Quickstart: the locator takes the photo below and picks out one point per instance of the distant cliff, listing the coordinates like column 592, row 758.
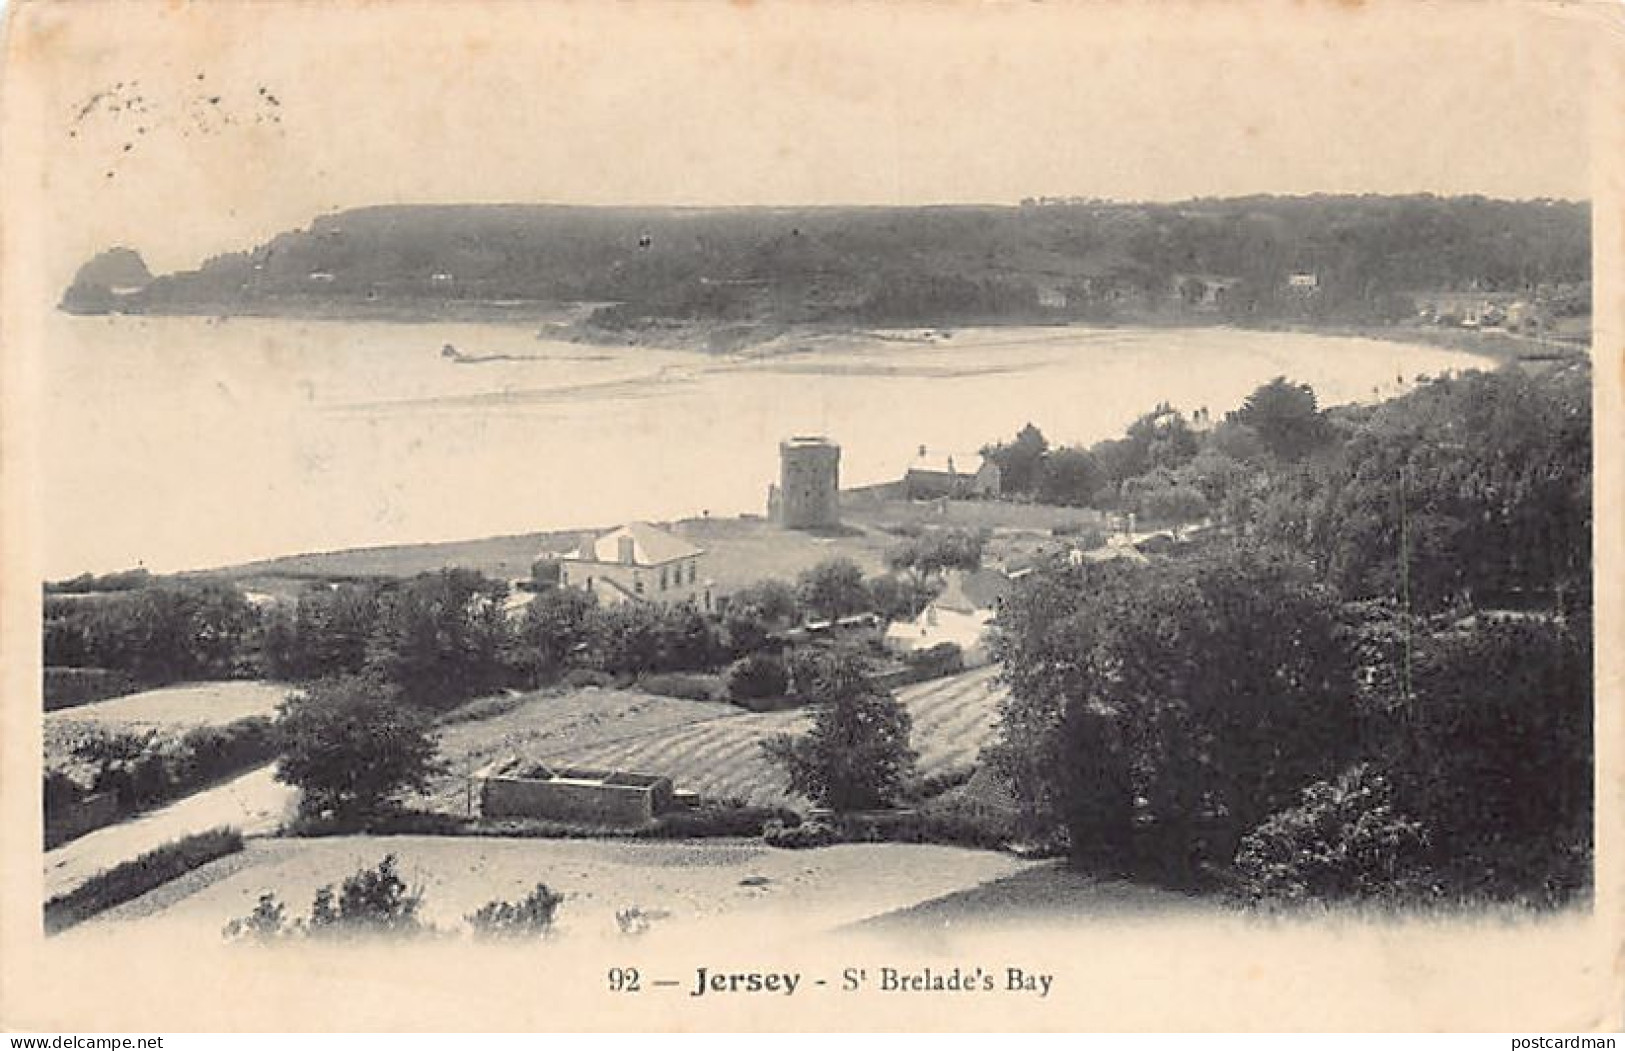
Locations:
column 1300, row 258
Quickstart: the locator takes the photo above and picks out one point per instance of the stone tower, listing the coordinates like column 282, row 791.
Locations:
column 809, row 491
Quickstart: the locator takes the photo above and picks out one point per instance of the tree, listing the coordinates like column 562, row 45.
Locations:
column 557, row 624
column 1493, row 752
column 1210, row 689
column 1019, row 461
column 901, row 596
column 939, row 550
column 332, row 627
column 1161, row 496
column 1286, row 418
column 771, row 601
column 441, row 637
column 856, row 756
column 638, row 637
column 833, row 588
column 350, row 746
column 1070, row 477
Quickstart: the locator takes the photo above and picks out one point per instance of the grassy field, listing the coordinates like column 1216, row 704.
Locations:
column 713, row 749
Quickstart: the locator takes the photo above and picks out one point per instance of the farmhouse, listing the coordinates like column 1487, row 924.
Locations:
column 960, row 615
column 638, row 563
column 932, row 476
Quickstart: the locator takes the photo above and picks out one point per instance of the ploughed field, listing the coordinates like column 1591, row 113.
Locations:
column 712, row 749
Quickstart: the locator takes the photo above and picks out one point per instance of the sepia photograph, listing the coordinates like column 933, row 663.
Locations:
column 786, row 516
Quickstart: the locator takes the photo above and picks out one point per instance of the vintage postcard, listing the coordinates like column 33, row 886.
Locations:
column 801, row 516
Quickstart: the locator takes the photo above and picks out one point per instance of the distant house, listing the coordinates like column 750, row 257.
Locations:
column 1303, row 282
column 1202, row 291
column 960, row 615
column 638, row 563
column 1116, row 548
column 932, row 476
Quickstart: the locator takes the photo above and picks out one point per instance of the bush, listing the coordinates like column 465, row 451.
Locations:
column 530, row 918
column 684, row 687
column 373, row 901
column 757, row 677
column 945, row 658
column 955, row 822
column 268, row 922
column 933, row 785
column 131, row 879
column 143, row 770
column 580, row 678
column 716, row 820
column 1346, row 839
column 71, row 687
column 805, row 836
column 400, row 822
column 483, row 708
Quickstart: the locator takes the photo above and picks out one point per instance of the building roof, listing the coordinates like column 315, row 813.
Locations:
column 933, row 462
column 650, row 546
column 971, row 592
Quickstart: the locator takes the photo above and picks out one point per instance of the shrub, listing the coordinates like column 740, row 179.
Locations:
column 373, row 901
column 933, row 785
column 579, row 678
column 805, row 836
column 131, row 879
column 531, row 917
column 684, row 687
column 268, row 922
column 945, row 658
column 145, row 769
column 757, row 677
column 71, row 687
column 634, row 920
column 718, row 820
column 483, row 708
column 1346, row 839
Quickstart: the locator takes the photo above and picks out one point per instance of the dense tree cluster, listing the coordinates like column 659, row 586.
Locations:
column 1377, row 679
column 163, row 632
column 1369, row 256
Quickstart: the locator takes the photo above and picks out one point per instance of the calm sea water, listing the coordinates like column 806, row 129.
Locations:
column 190, row 442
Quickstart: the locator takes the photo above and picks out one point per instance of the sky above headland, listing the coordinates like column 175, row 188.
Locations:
column 187, row 129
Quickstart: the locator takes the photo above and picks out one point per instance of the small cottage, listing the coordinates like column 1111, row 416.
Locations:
column 962, row 615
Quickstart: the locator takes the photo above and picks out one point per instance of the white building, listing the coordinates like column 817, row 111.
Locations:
column 961, row 615
column 638, row 563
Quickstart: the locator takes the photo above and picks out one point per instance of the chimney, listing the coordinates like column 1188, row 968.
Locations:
column 626, row 550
